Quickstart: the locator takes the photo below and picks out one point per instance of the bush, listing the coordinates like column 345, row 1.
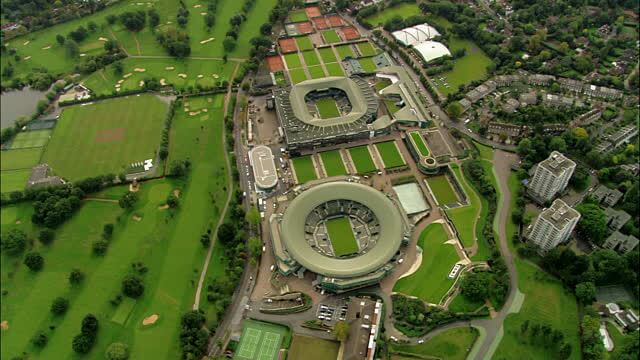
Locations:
column 128, row 200
column 59, row 306
column 89, row 325
column 117, row 351
column 100, row 247
column 34, row 261
column 46, row 236
column 82, row 343
column 132, row 286
column 14, row 242
column 40, row 339
column 76, row 277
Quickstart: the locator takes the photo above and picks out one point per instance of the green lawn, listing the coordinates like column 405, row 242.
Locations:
column 20, row 158
column 316, row 72
column 327, row 108
column 404, row 10
column 345, row 51
column 297, row 75
column 461, row 304
column 310, row 58
column 334, row 69
column 619, row 340
column 366, row 49
column 331, row 37
column 313, row 348
column 367, row 64
column 333, row 164
column 105, row 137
column 486, row 152
column 327, row 55
column 471, row 67
column 29, row 139
column 442, row 189
column 391, row 157
column 362, row 159
column 463, row 218
column 453, row 344
column 341, row 235
column 420, row 143
column 298, row 16
column 305, row 171
column 13, row 180
column 431, row 281
column 293, row 60
column 304, row 43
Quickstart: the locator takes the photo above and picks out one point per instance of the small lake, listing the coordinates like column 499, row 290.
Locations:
column 17, row 103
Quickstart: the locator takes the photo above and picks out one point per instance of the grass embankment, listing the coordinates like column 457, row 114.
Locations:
column 453, row 344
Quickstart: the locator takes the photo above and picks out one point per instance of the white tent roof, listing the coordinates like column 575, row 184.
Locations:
column 415, row 34
column 430, row 50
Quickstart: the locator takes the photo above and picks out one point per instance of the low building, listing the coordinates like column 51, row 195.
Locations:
column 41, row 177
column 511, row 105
column 559, row 101
column 540, row 79
column 616, row 218
column 571, row 85
column 587, row 118
column 264, row 167
column 363, row 316
column 553, row 226
column 623, row 135
column 526, row 99
column 506, row 80
column 481, row 91
column 606, row 196
column 632, row 168
column 620, row 242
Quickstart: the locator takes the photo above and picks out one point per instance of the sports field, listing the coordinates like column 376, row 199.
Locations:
column 29, row 139
column 316, row 72
column 327, row 55
column 310, row 58
column 431, row 282
column 313, row 348
column 465, row 217
column 420, row 144
column 331, row 37
column 471, row 67
column 297, row 75
column 453, row 344
column 304, row 169
column 293, row 60
column 341, row 235
column 404, row 10
column 362, row 159
column 334, row 69
column 391, row 157
column 298, row 16
column 332, row 162
column 367, row 64
column 327, row 108
column 345, row 51
column 366, row 49
column 442, row 190
column 260, row 341
column 13, row 180
column 105, row 137
column 20, row 158
column 304, row 43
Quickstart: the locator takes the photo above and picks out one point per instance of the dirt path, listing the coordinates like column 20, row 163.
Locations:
column 116, row 39
column 101, row 200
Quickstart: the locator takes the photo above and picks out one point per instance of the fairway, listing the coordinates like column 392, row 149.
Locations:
column 331, row 37
column 316, row 72
column 20, row 158
column 327, row 55
column 362, row 159
column 334, row 69
column 293, row 60
column 390, row 154
column 105, row 137
column 304, row 43
column 333, row 164
column 310, row 58
column 313, row 348
column 297, row 75
column 304, row 169
column 260, row 341
column 431, row 282
column 442, row 190
column 403, row 10
column 29, row 139
column 327, row 108
column 420, row 144
column 341, row 236
column 345, row 51
column 367, row 64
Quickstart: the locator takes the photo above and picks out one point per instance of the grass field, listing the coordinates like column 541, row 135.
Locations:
column 298, row 16
column 19, row 158
column 293, row 60
column 313, row 348
column 367, row 64
column 13, row 180
column 366, row 49
column 260, row 341
column 304, row 43
column 431, row 282
column 403, row 10
column 105, row 137
column 362, row 159
column 420, row 143
column 333, row 164
column 316, row 72
column 29, row 139
column 304, row 169
column 471, row 67
column 391, row 157
column 297, row 75
column 463, row 218
column 334, row 69
column 310, row 58
column 345, row 51
column 331, row 37
column 341, row 235
column 461, row 304
column 442, row 190
column 327, row 108
column 327, row 55
column 453, row 344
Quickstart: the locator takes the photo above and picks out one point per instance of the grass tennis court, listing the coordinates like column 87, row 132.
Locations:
column 310, row 58
column 442, row 190
column 327, row 55
column 313, row 348
column 367, row 64
column 334, row 69
column 297, row 75
column 316, row 72
column 105, row 137
column 27, row 139
column 366, row 49
column 304, row 43
column 19, row 158
column 331, row 37
column 390, row 155
column 327, row 108
column 345, row 51
column 260, row 341
column 341, row 235
column 293, row 60
column 420, row 144
column 333, row 164
column 14, row 180
column 298, row 16
column 304, row 169
column 362, row 159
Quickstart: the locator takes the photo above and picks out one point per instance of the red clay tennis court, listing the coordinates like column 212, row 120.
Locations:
column 287, row 45
column 305, row 27
column 313, row 11
column 335, row 20
column 350, row 33
column 275, row 63
column 320, row 23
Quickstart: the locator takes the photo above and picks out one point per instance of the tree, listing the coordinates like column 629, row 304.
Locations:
column 172, row 201
column 265, row 29
column 226, row 233
column 100, row 247
column 580, row 133
column 524, row 326
column 132, row 286
column 46, row 236
column 111, row 19
column 209, row 20
column 117, row 351
column 128, row 200
column 118, row 68
column 40, row 339
column 592, row 347
column 253, row 216
column 59, row 306
column 454, row 110
column 89, row 325
column 92, row 26
column 34, row 261
column 341, row 330
column 255, row 246
column 14, row 242
column 565, row 351
column 76, row 277
column 630, row 349
column 179, row 168
column 133, row 21
column 60, row 39
column 71, row 48
column 82, row 343
column 475, row 286
column 593, row 223
column 229, row 44
column 557, row 143
column 107, row 231
column 154, row 18
column 110, row 46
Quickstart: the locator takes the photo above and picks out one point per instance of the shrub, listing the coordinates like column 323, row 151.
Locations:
column 100, row 247
column 14, row 242
column 76, row 276
column 59, row 306
column 89, row 325
column 34, row 261
column 46, row 236
column 82, row 343
column 40, row 339
column 117, row 351
column 132, row 286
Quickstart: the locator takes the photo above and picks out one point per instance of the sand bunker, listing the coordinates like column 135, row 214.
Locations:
column 169, row 23
column 203, row 13
column 215, row 76
column 103, row 39
column 163, row 207
column 26, row 43
column 176, row 193
column 27, row 57
column 205, row 110
column 18, row 222
column 207, row 40
column 4, row 325
column 139, row 69
column 163, row 82
column 200, row 76
column 150, row 320
column 46, row 47
column 83, row 54
column 184, row 76
column 194, row 113
column 141, row 83
column 169, row 68
column 127, row 75
column 137, row 217
column 197, row 6
column 118, row 90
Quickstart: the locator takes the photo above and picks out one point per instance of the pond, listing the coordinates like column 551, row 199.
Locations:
column 17, row 103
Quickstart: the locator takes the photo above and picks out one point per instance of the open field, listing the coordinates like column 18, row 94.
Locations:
column 333, row 164
column 312, row 348
column 453, row 344
column 327, row 55
column 331, row 37
column 345, row 51
column 362, row 159
column 341, row 235
column 293, row 60
column 462, row 304
column 29, row 139
column 304, row 169
column 20, row 158
column 13, row 180
column 420, row 143
column 471, row 67
column 316, row 72
column 105, row 137
column 403, row 10
column 327, row 108
column 310, row 58
column 260, row 341
column 431, row 282
column 297, row 75
column 442, row 189
column 463, row 218
column 367, row 64
column 304, row 43
column 391, row 157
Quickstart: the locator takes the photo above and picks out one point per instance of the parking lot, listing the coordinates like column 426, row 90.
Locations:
column 330, row 313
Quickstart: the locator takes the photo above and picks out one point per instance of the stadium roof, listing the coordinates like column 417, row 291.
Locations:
column 293, row 229
column 264, row 169
column 430, row 50
column 416, row 34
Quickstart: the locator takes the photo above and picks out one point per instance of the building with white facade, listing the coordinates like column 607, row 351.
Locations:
column 551, row 176
column 553, row 226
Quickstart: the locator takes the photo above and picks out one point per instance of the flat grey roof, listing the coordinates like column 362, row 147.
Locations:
column 411, row 198
column 559, row 214
column 557, row 163
column 264, row 169
column 293, row 229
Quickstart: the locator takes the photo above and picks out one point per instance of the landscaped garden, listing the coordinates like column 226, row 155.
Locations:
column 453, row 344
column 465, row 217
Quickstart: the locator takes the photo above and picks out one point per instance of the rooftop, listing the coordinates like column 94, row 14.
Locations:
column 559, row 214
column 557, row 163
column 264, row 169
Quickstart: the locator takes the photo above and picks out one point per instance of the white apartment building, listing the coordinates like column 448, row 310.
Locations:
column 554, row 225
column 551, row 176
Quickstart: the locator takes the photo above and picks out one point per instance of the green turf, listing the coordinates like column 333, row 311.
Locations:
column 367, row 64
column 20, row 158
column 123, row 311
column 442, row 190
column 260, row 341
column 304, row 169
column 327, row 55
column 298, row 16
column 619, row 340
column 331, row 37
column 334, row 69
column 345, row 51
column 391, row 106
column 297, row 75
column 293, row 60
column 327, row 108
column 453, row 344
column 105, row 137
column 310, row 58
column 316, row 72
column 304, row 43
column 471, row 67
column 463, row 218
column 333, row 164
column 420, row 143
column 341, row 236
column 486, row 152
column 431, row 282
column 404, row 10
column 313, row 348
column 391, row 157
column 14, row 180
column 366, row 49
column 28, row 139
column 362, row 159
column 461, row 304
column 281, row 80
